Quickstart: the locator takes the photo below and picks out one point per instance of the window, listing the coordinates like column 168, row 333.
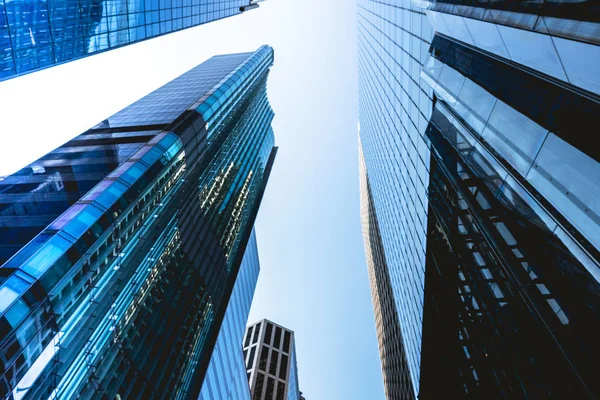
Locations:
column 286, row 342
column 262, row 365
column 270, row 389
column 283, row 367
column 248, row 335
column 280, row 390
column 251, row 359
column 256, row 332
column 273, row 363
column 260, row 378
column 277, row 341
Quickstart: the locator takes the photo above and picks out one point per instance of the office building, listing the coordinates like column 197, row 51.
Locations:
column 270, row 354
column 479, row 189
column 226, row 378
column 123, row 245
column 36, row 34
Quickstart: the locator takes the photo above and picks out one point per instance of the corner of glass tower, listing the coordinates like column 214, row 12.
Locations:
column 479, row 194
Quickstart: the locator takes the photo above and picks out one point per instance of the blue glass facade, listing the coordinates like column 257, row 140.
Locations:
column 226, row 374
column 394, row 110
column 37, row 34
column 479, row 195
column 270, row 355
column 137, row 231
column 293, row 391
column 396, row 375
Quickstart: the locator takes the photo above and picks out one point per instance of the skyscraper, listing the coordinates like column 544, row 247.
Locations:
column 270, row 354
column 226, row 375
column 37, row 34
column 479, row 196
column 125, row 243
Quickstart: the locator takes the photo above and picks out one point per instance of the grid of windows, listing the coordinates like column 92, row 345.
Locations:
column 171, row 100
column 394, row 109
column 37, row 34
column 272, row 376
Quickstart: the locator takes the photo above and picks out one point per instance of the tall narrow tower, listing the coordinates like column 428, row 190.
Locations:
column 226, row 375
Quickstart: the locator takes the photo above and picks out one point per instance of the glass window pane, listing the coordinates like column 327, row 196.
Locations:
column 535, row 50
column 514, row 136
column 570, row 181
column 582, row 74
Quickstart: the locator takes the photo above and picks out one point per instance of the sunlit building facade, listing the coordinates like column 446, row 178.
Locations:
column 122, row 247
column 270, row 355
column 479, row 196
column 37, row 34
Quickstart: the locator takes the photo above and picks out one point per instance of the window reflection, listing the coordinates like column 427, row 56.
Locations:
column 561, row 289
column 36, row 34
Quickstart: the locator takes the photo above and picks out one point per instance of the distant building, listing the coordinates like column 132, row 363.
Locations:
column 270, row 353
column 38, row 34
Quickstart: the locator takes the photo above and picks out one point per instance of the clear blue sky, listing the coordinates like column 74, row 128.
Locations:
column 313, row 275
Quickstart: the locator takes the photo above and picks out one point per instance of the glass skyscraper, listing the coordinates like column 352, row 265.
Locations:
column 479, row 195
column 36, row 34
column 121, row 248
column 226, row 375
column 270, row 355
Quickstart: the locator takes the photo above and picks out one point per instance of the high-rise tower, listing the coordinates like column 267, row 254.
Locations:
column 479, row 195
column 270, row 354
column 36, row 34
column 122, row 246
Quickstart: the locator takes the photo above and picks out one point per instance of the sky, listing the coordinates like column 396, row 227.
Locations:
column 313, row 276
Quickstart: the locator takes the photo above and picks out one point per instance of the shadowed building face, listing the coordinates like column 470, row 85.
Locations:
column 479, row 196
